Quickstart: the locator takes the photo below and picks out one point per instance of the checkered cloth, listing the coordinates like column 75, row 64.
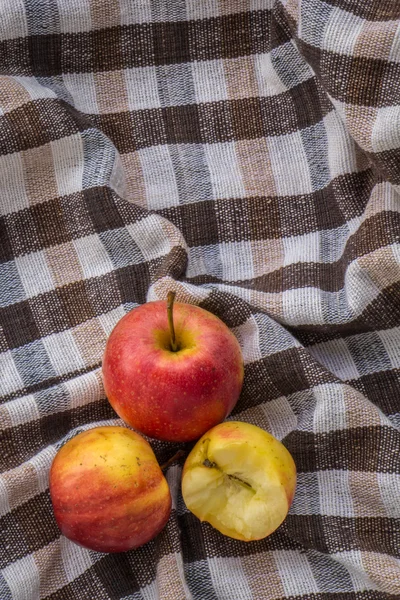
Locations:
column 245, row 153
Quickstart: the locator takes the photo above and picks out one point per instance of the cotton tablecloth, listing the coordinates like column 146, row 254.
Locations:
column 246, row 154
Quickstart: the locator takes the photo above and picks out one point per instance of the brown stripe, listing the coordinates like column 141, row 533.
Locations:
column 372, row 263
column 75, row 303
column 44, row 54
column 254, row 160
column 236, row 220
column 302, row 446
column 47, row 383
column 62, row 309
column 5, row 418
column 371, row 449
column 191, row 220
column 280, row 374
column 382, row 313
column 220, row 304
column 9, row 51
column 99, row 209
column 16, row 127
column 389, row 163
column 37, row 123
column 193, row 538
column 6, row 250
column 182, row 124
column 366, row 495
column 376, row 39
column 38, row 227
column 104, row 209
column 48, row 430
column 103, row 15
column 85, row 587
column 308, row 530
column 240, row 77
column 204, row 279
column 22, row 536
column 63, row 263
column 121, row 576
column 200, row 541
column 13, row 94
column 223, row 121
column 382, row 388
column 135, row 184
column 380, row 230
column 241, row 119
column 71, row 305
column 343, row 199
column 371, row 10
column 90, row 339
column 18, row 324
column 260, row 568
column 355, row 80
column 50, row 564
column 288, row 15
column 61, row 220
column 327, row 277
column 340, row 534
column 310, row 101
column 139, row 45
column 111, row 92
column 40, row 180
column 48, row 311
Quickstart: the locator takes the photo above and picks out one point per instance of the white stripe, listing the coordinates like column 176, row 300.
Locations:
column 23, row 579
column 295, row 573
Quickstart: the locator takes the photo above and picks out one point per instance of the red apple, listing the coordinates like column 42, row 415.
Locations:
column 172, row 376
column 108, row 491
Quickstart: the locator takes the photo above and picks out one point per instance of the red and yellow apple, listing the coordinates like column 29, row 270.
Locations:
column 240, row 479
column 172, row 375
column 108, row 491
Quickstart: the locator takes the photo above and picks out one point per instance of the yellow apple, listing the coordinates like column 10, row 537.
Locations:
column 240, row 479
column 108, row 491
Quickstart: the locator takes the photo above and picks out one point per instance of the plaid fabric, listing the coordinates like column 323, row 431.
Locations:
column 245, row 153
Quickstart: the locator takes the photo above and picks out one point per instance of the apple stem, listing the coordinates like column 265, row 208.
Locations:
column 170, row 306
column 173, row 459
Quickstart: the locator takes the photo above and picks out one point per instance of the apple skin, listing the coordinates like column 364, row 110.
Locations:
column 108, row 491
column 240, row 479
column 172, row 396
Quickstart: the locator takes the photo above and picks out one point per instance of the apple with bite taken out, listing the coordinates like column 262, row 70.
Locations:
column 240, row 479
column 172, row 371
column 108, row 491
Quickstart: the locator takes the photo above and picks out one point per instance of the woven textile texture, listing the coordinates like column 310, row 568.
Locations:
column 245, row 153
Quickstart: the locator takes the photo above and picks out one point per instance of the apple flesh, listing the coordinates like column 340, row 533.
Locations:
column 108, row 491
column 172, row 395
column 240, row 479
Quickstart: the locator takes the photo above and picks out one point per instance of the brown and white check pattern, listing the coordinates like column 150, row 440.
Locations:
column 245, row 153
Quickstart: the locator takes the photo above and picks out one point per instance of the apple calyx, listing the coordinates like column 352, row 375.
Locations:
column 170, row 306
column 235, row 478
